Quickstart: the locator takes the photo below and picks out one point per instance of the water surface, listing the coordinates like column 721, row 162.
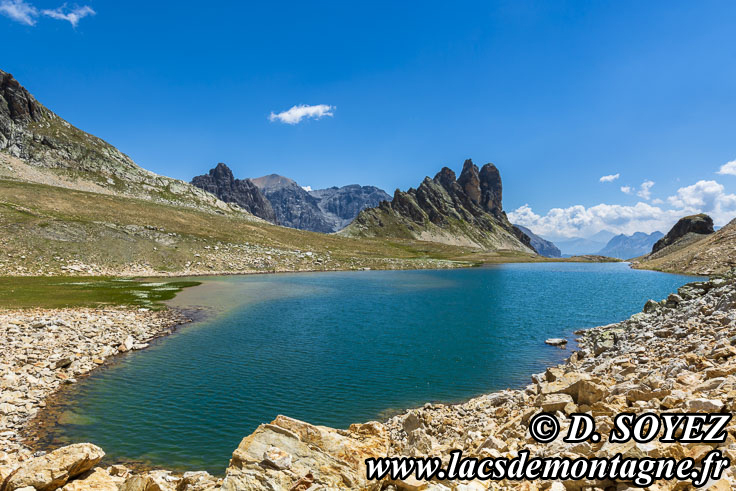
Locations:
column 339, row 348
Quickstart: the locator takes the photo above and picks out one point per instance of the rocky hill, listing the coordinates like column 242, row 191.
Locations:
column 36, row 145
column 542, row 246
column 459, row 211
column 221, row 182
column 627, row 246
column 700, row 224
column 694, row 248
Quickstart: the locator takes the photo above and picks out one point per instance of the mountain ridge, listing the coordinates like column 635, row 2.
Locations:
column 39, row 146
column 463, row 211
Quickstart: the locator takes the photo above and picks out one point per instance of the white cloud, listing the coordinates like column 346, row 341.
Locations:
column 297, row 113
column 729, row 168
column 610, row 178
column 626, row 189
column 706, row 197
column 578, row 221
column 645, row 189
column 73, row 16
column 307, row 188
column 19, row 11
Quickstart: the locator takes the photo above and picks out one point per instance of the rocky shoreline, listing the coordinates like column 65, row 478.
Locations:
column 44, row 349
column 678, row 355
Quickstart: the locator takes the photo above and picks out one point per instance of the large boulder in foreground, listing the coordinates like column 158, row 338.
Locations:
column 697, row 224
column 289, row 453
column 53, row 470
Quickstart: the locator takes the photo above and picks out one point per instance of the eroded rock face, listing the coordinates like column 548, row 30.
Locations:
column 466, row 210
column 53, row 470
column 694, row 224
column 221, row 182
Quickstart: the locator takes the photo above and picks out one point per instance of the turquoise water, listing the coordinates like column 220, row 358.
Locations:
column 338, row 348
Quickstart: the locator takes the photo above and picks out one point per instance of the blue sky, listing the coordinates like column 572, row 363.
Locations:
column 556, row 94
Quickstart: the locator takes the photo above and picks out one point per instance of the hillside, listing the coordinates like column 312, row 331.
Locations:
column 693, row 247
column 36, row 145
column 466, row 211
column 71, row 203
column 627, row 246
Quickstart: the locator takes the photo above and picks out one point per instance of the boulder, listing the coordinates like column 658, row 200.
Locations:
column 280, row 454
column 53, row 470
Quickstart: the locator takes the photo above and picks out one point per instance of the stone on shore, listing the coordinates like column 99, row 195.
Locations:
column 53, row 470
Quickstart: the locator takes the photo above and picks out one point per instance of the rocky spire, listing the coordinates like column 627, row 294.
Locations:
column 491, row 191
column 469, row 181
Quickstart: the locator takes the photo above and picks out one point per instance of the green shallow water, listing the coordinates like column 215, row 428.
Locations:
column 339, row 348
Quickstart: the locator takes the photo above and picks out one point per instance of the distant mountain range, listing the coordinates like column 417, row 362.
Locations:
column 630, row 246
column 282, row 201
column 604, row 243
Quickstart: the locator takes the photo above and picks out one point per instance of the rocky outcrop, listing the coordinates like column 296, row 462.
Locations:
column 465, row 211
column 289, row 454
column 696, row 251
column 221, row 182
column 46, row 149
column 700, row 224
column 541, row 246
column 53, row 470
column 627, row 246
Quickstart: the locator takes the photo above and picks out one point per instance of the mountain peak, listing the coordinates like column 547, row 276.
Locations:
column 465, row 211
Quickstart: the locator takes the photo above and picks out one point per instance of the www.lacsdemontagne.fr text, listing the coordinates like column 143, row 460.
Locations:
column 641, row 471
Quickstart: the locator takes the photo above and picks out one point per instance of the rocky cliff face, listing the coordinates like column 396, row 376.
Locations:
column 36, row 145
column 464, row 211
column 324, row 210
column 541, row 246
column 340, row 205
column 221, row 182
column 294, row 207
column 695, row 224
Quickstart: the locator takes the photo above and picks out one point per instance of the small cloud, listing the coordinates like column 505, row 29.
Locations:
column 610, row 178
column 626, row 189
column 19, row 11
column 307, row 188
column 297, row 113
column 657, row 201
column 73, row 16
column 729, row 168
column 645, row 189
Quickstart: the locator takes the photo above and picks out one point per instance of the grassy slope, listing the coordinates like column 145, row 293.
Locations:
column 47, row 228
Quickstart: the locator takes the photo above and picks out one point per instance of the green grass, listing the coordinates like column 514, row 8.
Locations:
column 82, row 291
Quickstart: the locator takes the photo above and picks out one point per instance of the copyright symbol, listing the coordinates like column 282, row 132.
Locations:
column 544, row 427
